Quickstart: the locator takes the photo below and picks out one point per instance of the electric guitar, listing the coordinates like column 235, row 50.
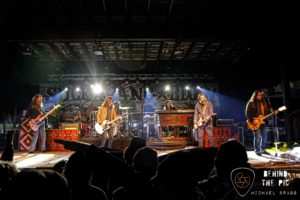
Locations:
column 36, row 122
column 104, row 126
column 260, row 119
column 203, row 121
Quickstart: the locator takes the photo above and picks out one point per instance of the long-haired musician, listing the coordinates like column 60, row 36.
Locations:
column 107, row 113
column 256, row 106
column 33, row 111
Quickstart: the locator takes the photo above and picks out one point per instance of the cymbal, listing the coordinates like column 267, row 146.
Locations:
column 125, row 108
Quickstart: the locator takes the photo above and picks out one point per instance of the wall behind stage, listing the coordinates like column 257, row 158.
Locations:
column 131, row 94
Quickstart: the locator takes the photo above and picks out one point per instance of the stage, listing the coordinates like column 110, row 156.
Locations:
column 49, row 159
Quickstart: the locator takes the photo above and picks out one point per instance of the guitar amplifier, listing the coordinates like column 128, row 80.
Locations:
column 70, row 126
column 224, row 122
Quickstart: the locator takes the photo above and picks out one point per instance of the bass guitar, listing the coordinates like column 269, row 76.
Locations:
column 36, row 122
column 260, row 119
column 104, row 126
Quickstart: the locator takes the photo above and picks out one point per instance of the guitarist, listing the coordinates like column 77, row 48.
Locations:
column 203, row 113
column 107, row 112
column 257, row 105
column 34, row 110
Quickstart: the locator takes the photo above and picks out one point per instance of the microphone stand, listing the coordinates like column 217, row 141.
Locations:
column 142, row 116
column 267, row 98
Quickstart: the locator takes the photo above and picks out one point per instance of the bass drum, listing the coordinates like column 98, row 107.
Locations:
column 85, row 129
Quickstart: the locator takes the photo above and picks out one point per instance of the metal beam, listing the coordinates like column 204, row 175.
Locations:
column 170, row 8
column 73, row 53
column 116, row 51
column 148, row 10
column 191, row 47
column 105, row 9
column 145, row 51
column 114, row 76
column 60, row 55
column 85, row 10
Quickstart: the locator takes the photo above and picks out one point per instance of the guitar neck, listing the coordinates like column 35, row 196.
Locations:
column 268, row 115
column 48, row 113
column 114, row 120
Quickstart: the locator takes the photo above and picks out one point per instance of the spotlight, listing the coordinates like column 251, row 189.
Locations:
column 66, row 89
column 187, row 87
column 96, row 88
column 135, row 125
column 167, row 87
column 147, row 89
column 198, row 87
column 117, row 89
column 77, row 89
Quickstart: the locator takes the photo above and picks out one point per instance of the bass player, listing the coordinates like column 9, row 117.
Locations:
column 258, row 106
column 34, row 110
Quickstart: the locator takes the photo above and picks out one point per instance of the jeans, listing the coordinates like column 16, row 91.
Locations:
column 209, row 130
column 108, row 135
column 41, row 131
column 260, row 139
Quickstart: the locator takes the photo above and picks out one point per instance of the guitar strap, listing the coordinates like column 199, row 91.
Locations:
column 262, row 108
column 204, row 109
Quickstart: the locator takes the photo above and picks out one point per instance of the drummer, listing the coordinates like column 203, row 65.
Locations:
column 117, row 108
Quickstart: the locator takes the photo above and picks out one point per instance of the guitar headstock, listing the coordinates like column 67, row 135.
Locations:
column 56, row 106
column 282, row 108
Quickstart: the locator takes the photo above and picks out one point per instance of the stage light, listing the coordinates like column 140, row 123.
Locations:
column 147, row 89
column 116, row 95
column 77, row 89
column 98, row 49
column 187, row 87
column 27, row 51
column 198, row 87
column 135, row 125
column 97, row 88
column 66, row 89
column 167, row 88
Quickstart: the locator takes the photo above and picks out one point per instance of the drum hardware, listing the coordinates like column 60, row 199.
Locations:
column 92, row 131
column 125, row 108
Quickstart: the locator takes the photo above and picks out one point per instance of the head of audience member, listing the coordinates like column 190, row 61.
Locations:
column 7, row 171
column 145, row 162
column 48, row 183
column 178, row 170
column 78, row 169
column 135, row 144
column 230, row 155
